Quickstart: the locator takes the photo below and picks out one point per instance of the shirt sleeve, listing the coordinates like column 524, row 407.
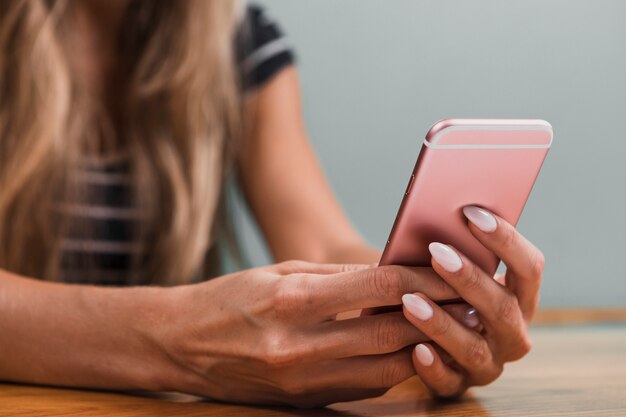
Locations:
column 262, row 48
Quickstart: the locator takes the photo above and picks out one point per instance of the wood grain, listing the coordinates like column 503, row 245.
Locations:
column 574, row 370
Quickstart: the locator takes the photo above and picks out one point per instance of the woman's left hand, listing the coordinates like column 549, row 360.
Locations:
column 461, row 357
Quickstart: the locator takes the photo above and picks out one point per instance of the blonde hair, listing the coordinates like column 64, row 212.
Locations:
column 182, row 113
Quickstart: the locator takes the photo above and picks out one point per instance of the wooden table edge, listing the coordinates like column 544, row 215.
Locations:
column 566, row 316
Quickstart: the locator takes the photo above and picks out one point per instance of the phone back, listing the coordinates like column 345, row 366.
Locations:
column 482, row 162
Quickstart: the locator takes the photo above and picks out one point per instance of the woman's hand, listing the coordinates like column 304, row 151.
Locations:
column 269, row 335
column 462, row 357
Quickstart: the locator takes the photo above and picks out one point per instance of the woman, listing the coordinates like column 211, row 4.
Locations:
column 119, row 121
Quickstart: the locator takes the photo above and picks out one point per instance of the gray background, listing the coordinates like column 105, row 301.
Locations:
column 376, row 74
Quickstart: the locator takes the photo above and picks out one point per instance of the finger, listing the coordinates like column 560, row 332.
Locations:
column 440, row 379
column 464, row 314
column 362, row 372
column 521, row 257
column 379, row 334
column 388, row 309
column 468, row 348
column 445, row 357
column 373, row 287
column 369, row 335
column 498, row 307
column 296, row 266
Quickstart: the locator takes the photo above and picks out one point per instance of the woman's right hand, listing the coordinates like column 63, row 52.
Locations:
column 270, row 335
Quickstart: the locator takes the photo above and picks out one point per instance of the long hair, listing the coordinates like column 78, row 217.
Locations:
column 181, row 108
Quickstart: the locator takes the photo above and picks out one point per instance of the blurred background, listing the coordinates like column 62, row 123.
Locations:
column 377, row 74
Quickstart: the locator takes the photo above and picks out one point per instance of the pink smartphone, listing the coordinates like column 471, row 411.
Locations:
column 490, row 163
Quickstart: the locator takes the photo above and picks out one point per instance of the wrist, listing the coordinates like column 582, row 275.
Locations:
column 136, row 320
column 151, row 320
column 161, row 321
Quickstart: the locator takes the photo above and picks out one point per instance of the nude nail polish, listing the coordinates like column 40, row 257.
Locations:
column 424, row 355
column 417, row 306
column 445, row 256
column 471, row 318
column 481, row 218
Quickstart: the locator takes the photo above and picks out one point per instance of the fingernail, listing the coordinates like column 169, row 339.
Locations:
column 481, row 218
column 424, row 355
column 471, row 318
column 445, row 256
column 417, row 306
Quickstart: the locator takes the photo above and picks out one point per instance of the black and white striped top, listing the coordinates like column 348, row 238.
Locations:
column 103, row 252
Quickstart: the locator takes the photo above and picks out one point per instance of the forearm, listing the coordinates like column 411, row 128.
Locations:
column 355, row 253
column 81, row 336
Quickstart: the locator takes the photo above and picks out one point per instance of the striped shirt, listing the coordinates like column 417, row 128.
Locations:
column 102, row 242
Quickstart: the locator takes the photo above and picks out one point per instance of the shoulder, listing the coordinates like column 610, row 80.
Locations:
column 263, row 50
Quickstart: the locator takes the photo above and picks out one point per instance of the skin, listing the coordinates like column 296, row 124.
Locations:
column 272, row 335
column 465, row 357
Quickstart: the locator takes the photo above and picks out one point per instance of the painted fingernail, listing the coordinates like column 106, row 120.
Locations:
column 417, row 306
column 424, row 355
column 471, row 318
column 445, row 256
column 481, row 218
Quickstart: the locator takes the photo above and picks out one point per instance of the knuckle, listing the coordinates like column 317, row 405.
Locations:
column 493, row 373
column 474, row 280
column 389, row 334
column 522, row 347
column 478, row 354
column 538, row 264
column 386, row 282
column 392, row 374
column 442, row 288
column 497, row 370
column 442, row 326
column 290, row 296
column 509, row 240
column 277, row 352
column 436, row 288
column 509, row 310
column 525, row 346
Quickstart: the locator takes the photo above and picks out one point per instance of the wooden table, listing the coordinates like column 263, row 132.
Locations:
column 574, row 369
